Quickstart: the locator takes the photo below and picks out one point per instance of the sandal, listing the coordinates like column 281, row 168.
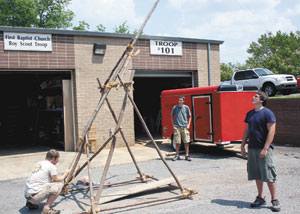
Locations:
column 31, row 206
column 51, row 211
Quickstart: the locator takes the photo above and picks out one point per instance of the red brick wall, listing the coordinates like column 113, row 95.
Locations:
column 145, row 61
column 61, row 57
column 287, row 112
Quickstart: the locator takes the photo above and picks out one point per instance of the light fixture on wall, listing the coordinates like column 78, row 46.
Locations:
column 99, row 48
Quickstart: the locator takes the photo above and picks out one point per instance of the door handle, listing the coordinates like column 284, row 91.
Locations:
column 197, row 117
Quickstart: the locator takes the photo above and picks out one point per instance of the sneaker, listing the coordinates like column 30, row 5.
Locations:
column 31, row 206
column 275, row 205
column 51, row 211
column 187, row 158
column 258, row 202
column 177, row 157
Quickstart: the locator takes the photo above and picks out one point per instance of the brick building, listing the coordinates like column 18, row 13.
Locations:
column 49, row 88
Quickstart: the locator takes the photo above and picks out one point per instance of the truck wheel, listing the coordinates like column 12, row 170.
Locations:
column 173, row 144
column 270, row 89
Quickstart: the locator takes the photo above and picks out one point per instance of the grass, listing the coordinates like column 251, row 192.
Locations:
column 286, row 96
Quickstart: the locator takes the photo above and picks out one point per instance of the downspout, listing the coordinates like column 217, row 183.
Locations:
column 208, row 62
column 73, row 108
column 193, row 81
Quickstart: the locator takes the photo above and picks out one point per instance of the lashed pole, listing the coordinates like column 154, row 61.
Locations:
column 121, row 64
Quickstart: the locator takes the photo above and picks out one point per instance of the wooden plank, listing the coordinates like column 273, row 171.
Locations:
column 137, row 189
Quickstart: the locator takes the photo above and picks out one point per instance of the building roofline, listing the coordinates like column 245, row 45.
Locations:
column 102, row 34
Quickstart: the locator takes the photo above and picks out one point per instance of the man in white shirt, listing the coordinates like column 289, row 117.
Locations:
column 43, row 183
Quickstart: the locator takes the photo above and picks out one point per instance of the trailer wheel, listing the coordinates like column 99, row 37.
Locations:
column 173, row 144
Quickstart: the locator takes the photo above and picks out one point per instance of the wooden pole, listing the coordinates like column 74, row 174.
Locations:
column 121, row 65
column 89, row 175
column 109, row 158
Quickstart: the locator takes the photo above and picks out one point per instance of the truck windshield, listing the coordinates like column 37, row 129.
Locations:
column 263, row 72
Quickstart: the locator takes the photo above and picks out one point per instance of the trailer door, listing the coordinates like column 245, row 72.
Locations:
column 202, row 118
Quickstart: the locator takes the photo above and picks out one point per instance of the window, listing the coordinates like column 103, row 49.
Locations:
column 250, row 75
column 263, row 72
column 239, row 75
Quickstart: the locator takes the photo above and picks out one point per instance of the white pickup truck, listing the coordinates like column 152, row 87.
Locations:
column 265, row 80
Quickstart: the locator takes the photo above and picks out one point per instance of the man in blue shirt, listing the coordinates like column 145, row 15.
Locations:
column 259, row 133
column 181, row 120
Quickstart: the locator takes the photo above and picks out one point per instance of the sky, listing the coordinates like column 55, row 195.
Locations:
column 236, row 22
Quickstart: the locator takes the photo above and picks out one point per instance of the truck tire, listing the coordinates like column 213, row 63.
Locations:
column 270, row 89
column 173, row 144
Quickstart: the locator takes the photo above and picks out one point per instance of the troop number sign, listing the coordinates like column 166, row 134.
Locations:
column 171, row 48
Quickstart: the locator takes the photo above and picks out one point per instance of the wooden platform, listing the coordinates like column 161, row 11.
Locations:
column 137, row 189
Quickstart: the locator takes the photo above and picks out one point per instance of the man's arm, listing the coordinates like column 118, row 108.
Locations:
column 56, row 178
column 271, row 133
column 189, row 124
column 172, row 116
column 245, row 136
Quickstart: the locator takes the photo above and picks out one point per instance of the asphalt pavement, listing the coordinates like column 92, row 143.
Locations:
column 219, row 177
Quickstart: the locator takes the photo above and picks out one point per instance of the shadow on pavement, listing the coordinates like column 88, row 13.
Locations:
column 197, row 150
column 236, row 203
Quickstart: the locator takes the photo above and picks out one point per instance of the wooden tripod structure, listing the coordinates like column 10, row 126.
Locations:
column 115, row 80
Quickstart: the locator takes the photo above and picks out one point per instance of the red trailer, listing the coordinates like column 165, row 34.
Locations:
column 218, row 112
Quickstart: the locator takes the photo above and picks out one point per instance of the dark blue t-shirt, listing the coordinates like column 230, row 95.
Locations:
column 257, row 124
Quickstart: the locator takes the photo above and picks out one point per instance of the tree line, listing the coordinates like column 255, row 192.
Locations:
column 279, row 53
column 46, row 14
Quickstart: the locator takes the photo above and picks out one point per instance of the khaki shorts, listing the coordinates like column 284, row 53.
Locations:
column 181, row 133
column 47, row 191
column 261, row 168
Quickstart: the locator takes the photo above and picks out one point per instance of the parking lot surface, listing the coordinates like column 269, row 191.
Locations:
column 219, row 177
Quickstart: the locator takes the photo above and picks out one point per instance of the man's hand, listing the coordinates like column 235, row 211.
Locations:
column 263, row 153
column 67, row 171
column 243, row 151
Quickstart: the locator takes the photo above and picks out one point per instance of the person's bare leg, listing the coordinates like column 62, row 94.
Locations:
column 177, row 148
column 260, row 188
column 272, row 189
column 187, row 149
column 50, row 201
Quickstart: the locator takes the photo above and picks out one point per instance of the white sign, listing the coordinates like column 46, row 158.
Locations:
column 27, row 41
column 171, row 48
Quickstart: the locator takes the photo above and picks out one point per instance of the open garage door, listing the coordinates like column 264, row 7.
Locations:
column 32, row 109
column 148, row 86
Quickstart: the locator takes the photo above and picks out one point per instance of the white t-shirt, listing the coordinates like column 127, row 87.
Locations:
column 40, row 175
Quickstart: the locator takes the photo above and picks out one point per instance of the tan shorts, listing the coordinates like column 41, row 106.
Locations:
column 181, row 133
column 47, row 191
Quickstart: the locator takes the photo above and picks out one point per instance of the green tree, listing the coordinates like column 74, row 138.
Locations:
column 136, row 32
column 280, row 53
column 101, row 28
column 18, row 13
column 36, row 13
column 123, row 28
column 83, row 25
column 228, row 69
column 53, row 14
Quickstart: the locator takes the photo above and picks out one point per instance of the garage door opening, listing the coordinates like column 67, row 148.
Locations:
column 147, row 91
column 31, row 110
